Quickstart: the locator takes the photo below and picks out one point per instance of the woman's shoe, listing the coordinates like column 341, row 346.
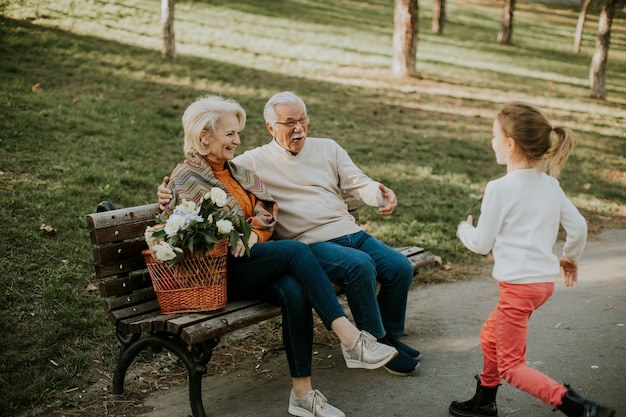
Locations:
column 313, row 404
column 482, row 404
column 367, row 353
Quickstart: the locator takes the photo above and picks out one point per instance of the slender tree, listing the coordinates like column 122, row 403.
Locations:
column 597, row 72
column 167, row 23
column 405, row 30
column 439, row 16
column 578, row 38
column 505, row 36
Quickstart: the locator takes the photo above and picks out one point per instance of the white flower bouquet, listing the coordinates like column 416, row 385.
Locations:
column 192, row 228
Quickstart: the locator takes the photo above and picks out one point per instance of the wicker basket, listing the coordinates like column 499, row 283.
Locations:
column 193, row 284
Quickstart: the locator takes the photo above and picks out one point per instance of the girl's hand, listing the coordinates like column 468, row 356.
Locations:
column 240, row 249
column 570, row 270
column 469, row 220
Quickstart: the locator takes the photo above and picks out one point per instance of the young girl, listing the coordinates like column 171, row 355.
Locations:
column 520, row 217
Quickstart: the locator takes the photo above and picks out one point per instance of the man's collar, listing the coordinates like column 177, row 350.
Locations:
column 286, row 150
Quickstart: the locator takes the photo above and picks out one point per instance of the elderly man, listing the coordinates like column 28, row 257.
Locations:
column 307, row 177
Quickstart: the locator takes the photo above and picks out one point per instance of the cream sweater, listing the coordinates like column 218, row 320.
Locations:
column 308, row 188
column 519, row 220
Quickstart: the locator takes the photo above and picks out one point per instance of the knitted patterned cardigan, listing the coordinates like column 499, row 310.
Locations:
column 193, row 178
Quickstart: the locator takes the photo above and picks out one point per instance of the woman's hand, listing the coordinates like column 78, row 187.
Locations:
column 164, row 194
column 570, row 270
column 240, row 249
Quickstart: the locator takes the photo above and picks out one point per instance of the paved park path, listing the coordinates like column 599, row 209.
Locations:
column 577, row 337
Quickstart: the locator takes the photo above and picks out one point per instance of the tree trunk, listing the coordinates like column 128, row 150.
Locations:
column 600, row 56
column 505, row 36
column 405, row 30
column 578, row 38
column 439, row 16
column 167, row 21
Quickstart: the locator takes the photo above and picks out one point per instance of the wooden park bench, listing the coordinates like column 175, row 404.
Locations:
column 130, row 303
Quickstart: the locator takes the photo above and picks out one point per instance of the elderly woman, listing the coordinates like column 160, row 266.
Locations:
column 283, row 272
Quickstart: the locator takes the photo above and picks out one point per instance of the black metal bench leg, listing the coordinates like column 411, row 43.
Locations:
column 195, row 361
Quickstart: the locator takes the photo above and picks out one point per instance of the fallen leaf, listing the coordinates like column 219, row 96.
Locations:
column 91, row 287
column 47, row 229
column 36, row 88
column 438, row 260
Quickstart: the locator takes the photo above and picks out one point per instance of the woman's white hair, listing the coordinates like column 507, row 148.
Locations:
column 206, row 113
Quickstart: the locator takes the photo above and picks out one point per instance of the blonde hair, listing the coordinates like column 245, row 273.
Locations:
column 206, row 113
column 530, row 129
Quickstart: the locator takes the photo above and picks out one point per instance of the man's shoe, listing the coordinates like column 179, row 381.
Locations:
column 367, row 353
column 414, row 353
column 402, row 365
column 313, row 404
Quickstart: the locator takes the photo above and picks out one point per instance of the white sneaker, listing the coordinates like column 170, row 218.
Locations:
column 313, row 404
column 367, row 353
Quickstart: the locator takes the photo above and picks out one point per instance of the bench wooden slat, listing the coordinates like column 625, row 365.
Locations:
column 126, row 325
column 176, row 325
column 119, row 252
column 116, row 217
column 219, row 326
column 132, row 312
column 151, row 324
column 117, row 225
column 122, row 267
column 125, row 284
column 127, row 300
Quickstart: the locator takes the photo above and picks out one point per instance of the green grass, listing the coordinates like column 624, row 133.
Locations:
column 106, row 126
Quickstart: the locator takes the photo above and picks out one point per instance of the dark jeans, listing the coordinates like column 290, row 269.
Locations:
column 287, row 274
column 358, row 261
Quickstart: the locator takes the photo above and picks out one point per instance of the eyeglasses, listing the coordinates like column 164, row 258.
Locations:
column 291, row 123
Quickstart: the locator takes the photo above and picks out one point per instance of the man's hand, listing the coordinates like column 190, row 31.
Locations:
column 570, row 270
column 240, row 249
column 164, row 194
column 389, row 200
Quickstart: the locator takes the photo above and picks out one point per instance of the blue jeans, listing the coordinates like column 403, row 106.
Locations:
column 286, row 273
column 358, row 261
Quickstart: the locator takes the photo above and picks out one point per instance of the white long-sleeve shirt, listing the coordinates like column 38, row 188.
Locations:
column 519, row 222
column 308, row 188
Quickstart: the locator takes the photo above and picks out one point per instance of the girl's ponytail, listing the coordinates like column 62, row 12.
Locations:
column 558, row 153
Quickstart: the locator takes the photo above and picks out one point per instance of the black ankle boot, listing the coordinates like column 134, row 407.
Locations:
column 482, row 404
column 574, row 405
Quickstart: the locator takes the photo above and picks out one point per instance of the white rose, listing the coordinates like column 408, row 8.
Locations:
column 224, row 227
column 164, row 251
column 218, row 196
column 148, row 235
column 187, row 207
column 173, row 224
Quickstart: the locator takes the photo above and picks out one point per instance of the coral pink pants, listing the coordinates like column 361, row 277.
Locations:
column 503, row 340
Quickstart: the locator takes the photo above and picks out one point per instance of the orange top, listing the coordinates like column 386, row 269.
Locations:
column 246, row 200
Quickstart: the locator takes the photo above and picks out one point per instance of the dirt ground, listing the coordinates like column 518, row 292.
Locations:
column 577, row 337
